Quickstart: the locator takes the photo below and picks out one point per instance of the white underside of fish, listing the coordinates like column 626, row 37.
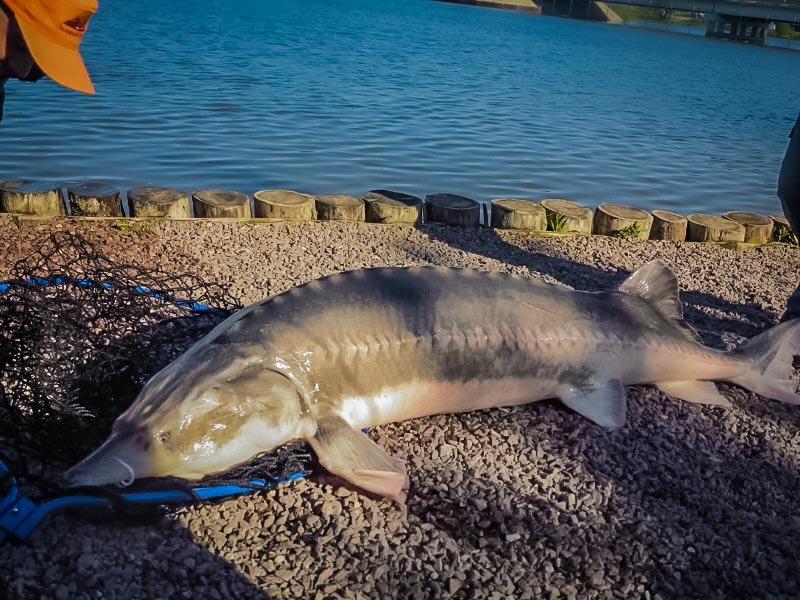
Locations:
column 421, row 399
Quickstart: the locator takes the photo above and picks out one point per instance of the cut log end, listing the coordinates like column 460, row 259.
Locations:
column 386, row 206
column 757, row 228
column 26, row 197
column 668, row 226
column 621, row 220
column 284, row 205
column 158, row 202
column 338, row 207
column 95, row 200
column 221, row 204
column 518, row 213
column 452, row 209
column 713, row 228
column 565, row 216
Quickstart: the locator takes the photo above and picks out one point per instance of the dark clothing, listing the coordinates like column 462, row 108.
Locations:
column 789, row 193
column 792, row 306
column 35, row 74
column 789, row 180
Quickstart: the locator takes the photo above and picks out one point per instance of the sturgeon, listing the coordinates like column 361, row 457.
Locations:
column 322, row 361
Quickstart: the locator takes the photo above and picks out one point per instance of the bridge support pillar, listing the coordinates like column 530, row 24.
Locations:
column 737, row 28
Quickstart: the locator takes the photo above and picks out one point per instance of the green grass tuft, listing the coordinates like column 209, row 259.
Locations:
column 556, row 222
column 634, row 230
column 784, row 235
column 128, row 227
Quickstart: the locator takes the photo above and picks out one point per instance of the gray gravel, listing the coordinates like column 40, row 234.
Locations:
column 684, row 501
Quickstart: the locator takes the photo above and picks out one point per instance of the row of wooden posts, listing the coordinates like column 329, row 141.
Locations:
column 385, row 206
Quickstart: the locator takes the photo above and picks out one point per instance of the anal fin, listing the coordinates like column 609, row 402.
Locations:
column 699, row 392
column 350, row 454
column 602, row 402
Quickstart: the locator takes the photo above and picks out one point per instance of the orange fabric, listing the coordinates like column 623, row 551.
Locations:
column 53, row 30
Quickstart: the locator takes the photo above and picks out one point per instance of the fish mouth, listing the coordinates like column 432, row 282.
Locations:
column 118, row 461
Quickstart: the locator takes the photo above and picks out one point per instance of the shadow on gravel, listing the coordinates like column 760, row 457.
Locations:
column 113, row 559
column 679, row 500
column 487, row 242
column 717, row 494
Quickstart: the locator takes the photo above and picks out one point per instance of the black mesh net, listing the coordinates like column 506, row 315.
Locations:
column 79, row 336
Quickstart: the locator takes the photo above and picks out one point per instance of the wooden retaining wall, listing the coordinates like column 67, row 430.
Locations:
column 548, row 216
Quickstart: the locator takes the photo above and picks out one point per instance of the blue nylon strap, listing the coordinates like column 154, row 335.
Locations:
column 19, row 516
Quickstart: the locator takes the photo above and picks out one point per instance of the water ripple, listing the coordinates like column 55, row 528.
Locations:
column 342, row 97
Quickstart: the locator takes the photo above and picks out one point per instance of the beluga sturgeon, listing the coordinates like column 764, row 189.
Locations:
column 327, row 359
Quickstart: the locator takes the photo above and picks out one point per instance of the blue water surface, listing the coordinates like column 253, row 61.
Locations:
column 342, row 96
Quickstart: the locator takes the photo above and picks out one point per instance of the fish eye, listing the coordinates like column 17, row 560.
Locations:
column 162, row 436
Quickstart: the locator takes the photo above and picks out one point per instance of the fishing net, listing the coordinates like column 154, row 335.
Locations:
column 79, row 336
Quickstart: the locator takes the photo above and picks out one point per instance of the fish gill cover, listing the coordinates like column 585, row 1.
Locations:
column 79, row 336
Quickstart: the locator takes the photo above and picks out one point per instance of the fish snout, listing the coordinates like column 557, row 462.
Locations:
column 120, row 460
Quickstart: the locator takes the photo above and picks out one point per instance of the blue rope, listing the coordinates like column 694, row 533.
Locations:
column 87, row 283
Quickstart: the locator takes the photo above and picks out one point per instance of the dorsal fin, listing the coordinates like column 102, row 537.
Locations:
column 656, row 284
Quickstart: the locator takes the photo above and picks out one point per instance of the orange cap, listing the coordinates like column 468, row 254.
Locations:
column 53, row 30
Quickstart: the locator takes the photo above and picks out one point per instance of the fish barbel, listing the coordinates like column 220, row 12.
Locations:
column 359, row 349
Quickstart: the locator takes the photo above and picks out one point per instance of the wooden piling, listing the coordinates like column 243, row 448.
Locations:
column 26, row 197
column 451, row 209
column 221, row 204
column 621, row 220
column 713, row 228
column 154, row 201
column 285, row 205
column 668, row 226
column 565, row 216
column 387, row 206
column 518, row 213
column 338, row 207
column 93, row 199
column 757, row 228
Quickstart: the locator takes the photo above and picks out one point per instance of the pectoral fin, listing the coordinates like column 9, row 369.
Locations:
column 350, row 454
column 699, row 392
column 600, row 401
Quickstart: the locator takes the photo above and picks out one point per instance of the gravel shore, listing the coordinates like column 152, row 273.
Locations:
column 534, row 501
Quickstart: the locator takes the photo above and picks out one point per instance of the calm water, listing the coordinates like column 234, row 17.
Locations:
column 343, row 96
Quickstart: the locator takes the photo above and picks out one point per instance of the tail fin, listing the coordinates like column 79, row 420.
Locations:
column 773, row 355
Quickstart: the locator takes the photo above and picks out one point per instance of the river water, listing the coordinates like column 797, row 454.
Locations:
column 342, row 96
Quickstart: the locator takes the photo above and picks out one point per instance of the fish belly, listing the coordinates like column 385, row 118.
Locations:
column 423, row 398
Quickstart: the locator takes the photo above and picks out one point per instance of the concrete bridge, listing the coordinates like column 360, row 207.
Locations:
column 786, row 11
column 740, row 20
